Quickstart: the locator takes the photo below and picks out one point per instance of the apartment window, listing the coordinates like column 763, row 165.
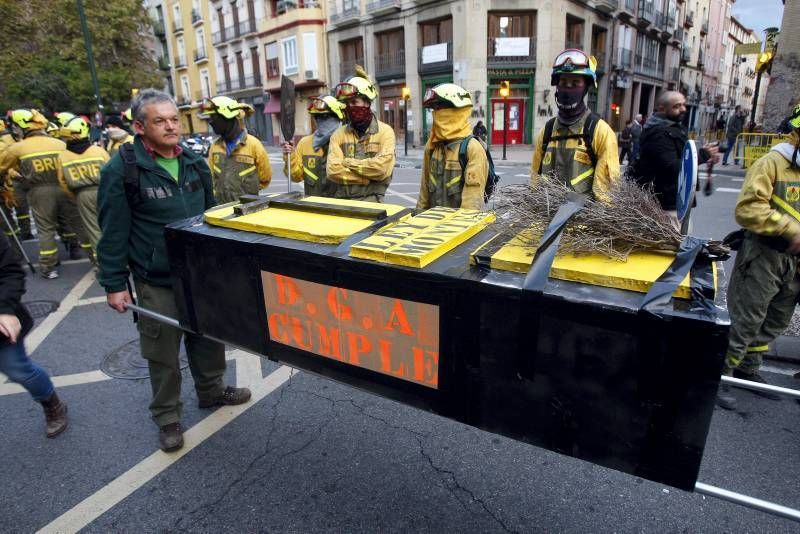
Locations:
column 574, row 33
column 181, row 51
column 289, row 55
column 511, row 24
column 184, row 87
column 255, row 64
column 200, row 42
column 205, row 81
column 437, row 32
column 176, row 21
column 310, row 50
column 271, row 53
column 347, row 5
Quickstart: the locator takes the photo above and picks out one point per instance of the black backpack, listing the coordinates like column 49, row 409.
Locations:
column 587, row 135
column 491, row 179
column 131, row 181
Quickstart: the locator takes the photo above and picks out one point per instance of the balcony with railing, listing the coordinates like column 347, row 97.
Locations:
column 660, row 20
column 606, row 6
column 223, row 35
column 239, row 84
column 689, row 20
column 347, row 16
column 200, row 54
column 647, row 12
column 158, row 29
column 736, row 81
column 625, row 59
column 648, row 66
column 177, row 26
column 224, row 86
column 180, row 62
column 627, row 9
column 508, row 51
column 435, row 58
column 196, row 16
column 686, row 54
column 246, row 27
column 390, row 65
column 183, row 101
column 199, row 95
column 704, row 27
column 676, row 74
column 701, row 60
column 377, row 8
column 348, row 66
column 678, row 35
column 163, row 63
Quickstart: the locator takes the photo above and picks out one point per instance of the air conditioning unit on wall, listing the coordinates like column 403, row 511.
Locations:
column 312, row 75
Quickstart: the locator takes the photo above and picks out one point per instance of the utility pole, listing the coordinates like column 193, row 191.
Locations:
column 505, row 90
column 764, row 62
column 406, row 95
column 87, row 41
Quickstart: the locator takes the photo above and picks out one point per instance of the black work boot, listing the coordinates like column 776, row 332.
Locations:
column 170, row 436
column 230, row 397
column 725, row 398
column 758, row 379
column 75, row 252
column 55, row 415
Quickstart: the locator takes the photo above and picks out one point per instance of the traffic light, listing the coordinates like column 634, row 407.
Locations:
column 405, row 93
column 763, row 61
column 615, row 108
column 505, row 88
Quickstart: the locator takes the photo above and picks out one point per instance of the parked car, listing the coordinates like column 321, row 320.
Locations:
column 198, row 143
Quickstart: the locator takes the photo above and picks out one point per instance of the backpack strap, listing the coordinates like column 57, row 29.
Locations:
column 131, row 179
column 589, row 128
column 462, row 153
column 546, row 138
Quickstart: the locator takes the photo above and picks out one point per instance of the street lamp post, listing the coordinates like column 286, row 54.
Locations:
column 87, row 41
column 505, row 90
column 406, row 94
column 763, row 62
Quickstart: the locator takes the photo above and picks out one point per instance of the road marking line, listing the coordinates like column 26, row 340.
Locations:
column 124, row 485
column 727, row 190
column 40, row 333
column 93, row 300
column 522, row 175
column 779, row 370
column 59, row 382
column 391, row 191
column 737, row 179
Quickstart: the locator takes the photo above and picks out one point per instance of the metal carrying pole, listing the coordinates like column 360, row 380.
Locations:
column 749, row 384
column 16, row 239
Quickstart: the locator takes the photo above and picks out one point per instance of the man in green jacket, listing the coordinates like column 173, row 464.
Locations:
column 171, row 184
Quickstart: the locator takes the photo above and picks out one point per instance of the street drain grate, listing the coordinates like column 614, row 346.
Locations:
column 40, row 308
column 127, row 363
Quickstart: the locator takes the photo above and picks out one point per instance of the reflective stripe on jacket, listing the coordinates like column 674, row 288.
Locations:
column 244, row 171
column 76, row 171
column 35, row 158
column 361, row 166
column 769, row 202
column 442, row 183
column 309, row 167
column 569, row 160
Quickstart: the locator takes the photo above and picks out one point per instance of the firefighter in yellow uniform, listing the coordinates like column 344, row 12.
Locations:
column 35, row 158
column 443, row 183
column 79, row 174
column 117, row 132
column 361, row 153
column 576, row 147
column 7, row 201
column 309, row 158
column 764, row 285
column 238, row 161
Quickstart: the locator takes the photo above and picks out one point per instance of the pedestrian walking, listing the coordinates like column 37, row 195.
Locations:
column 734, row 128
column 626, row 144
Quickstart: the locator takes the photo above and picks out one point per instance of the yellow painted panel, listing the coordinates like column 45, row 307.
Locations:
column 419, row 240
column 636, row 274
column 300, row 225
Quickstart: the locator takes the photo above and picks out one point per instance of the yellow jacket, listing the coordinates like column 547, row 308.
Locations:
column 6, row 140
column 361, row 166
column 571, row 162
column 309, row 167
column 769, row 202
column 244, row 171
column 34, row 157
column 78, row 171
column 112, row 147
column 442, row 183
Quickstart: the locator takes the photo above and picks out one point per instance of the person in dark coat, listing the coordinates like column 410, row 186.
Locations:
column 15, row 323
column 661, row 151
column 626, row 144
column 480, row 131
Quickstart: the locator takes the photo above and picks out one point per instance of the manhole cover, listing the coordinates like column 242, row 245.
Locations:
column 40, row 308
column 127, row 363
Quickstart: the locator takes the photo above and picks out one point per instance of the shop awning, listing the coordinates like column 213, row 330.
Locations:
column 274, row 104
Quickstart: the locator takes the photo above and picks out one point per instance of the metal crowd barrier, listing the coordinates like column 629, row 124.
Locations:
column 751, row 146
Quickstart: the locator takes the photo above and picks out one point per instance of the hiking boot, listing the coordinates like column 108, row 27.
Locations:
column 230, row 397
column 55, row 415
column 725, row 399
column 50, row 274
column 758, row 379
column 170, row 437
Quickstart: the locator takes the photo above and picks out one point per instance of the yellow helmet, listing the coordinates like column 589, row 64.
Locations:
column 127, row 115
column 28, row 119
column 790, row 123
column 225, row 107
column 76, row 128
column 64, row 117
column 52, row 128
column 356, row 86
column 320, row 105
column 447, row 95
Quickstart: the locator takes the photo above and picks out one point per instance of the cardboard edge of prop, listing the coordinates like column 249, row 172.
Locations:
column 577, row 369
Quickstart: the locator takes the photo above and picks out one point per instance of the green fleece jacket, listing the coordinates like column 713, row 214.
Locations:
column 133, row 228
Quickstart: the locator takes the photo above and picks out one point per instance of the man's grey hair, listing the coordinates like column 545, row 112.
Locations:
column 665, row 99
column 638, row 117
column 145, row 98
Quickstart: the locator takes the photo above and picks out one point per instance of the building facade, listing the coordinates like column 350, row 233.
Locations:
column 473, row 43
column 785, row 76
column 157, row 11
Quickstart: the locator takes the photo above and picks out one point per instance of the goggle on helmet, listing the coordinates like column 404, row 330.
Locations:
column 225, row 107
column 28, row 119
column 320, row 105
column 64, row 117
column 356, row 86
column 790, row 123
column 76, row 128
column 447, row 95
column 574, row 61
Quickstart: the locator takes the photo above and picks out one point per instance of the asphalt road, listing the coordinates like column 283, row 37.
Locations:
column 310, row 455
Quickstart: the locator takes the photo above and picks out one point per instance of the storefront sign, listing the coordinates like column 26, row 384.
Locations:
column 434, row 53
column 512, row 46
column 395, row 337
column 746, row 49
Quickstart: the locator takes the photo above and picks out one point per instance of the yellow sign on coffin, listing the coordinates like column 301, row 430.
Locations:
column 419, row 240
column 636, row 274
column 296, row 224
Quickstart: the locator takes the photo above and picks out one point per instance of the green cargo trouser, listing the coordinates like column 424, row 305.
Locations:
column 51, row 206
column 22, row 208
column 87, row 208
column 762, row 294
column 160, row 345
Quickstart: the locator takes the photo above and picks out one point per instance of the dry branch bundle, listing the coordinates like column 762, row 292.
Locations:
column 630, row 220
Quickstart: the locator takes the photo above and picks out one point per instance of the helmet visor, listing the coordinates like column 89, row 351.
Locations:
column 433, row 100
column 317, row 105
column 345, row 91
column 573, row 57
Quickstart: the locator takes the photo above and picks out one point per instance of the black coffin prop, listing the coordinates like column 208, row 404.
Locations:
column 587, row 375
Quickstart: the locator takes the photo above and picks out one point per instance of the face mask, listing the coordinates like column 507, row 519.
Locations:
column 569, row 98
column 326, row 125
column 360, row 116
column 228, row 129
column 78, row 146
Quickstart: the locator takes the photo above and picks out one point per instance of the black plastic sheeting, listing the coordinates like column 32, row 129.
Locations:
column 595, row 377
